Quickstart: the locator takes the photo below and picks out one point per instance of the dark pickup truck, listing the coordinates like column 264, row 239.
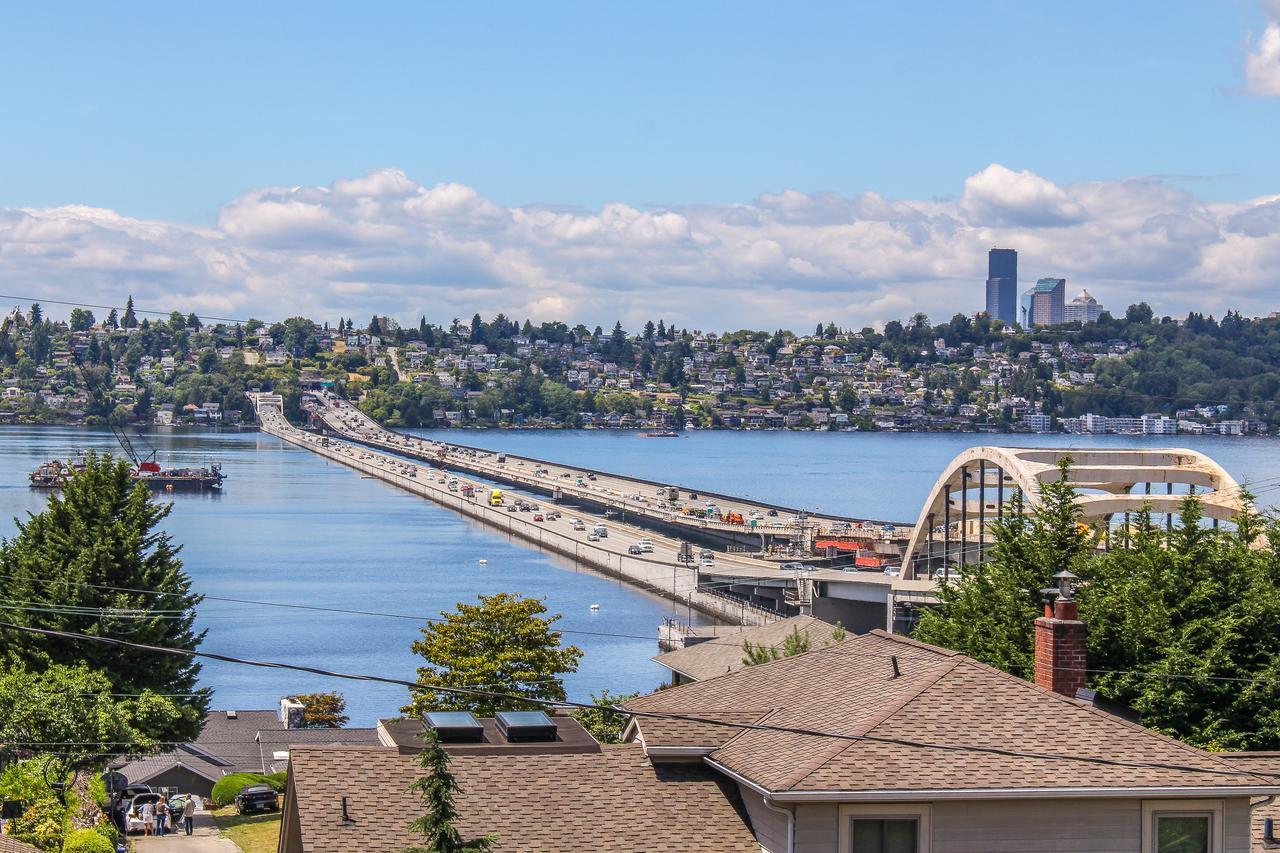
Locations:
column 253, row 798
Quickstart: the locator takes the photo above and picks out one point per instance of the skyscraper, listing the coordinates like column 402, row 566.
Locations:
column 1002, row 285
column 1043, row 305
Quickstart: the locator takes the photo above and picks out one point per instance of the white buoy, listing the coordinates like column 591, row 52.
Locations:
column 484, row 562
column 595, row 607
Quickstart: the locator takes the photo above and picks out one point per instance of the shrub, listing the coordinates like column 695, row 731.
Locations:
column 41, row 824
column 224, row 792
column 108, row 830
column 278, row 780
column 87, row 841
column 98, row 790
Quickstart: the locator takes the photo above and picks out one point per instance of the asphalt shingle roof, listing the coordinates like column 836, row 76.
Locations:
column 12, row 845
column 722, row 653
column 614, row 800
column 1014, row 734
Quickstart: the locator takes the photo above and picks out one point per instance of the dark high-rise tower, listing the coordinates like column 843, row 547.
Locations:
column 1002, row 285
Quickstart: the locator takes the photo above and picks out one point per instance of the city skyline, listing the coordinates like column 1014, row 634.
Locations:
column 244, row 172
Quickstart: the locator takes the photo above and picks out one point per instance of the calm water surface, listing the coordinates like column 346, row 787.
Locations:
column 291, row 527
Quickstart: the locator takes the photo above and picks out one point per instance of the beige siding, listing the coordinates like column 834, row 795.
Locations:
column 816, row 828
column 1023, row 826
column 769, row 826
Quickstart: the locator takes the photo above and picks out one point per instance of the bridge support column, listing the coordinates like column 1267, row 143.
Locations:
column 964, row 515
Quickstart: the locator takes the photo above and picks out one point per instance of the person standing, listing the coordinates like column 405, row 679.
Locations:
column 148, row 818
column 162, row 817
column 189, row 813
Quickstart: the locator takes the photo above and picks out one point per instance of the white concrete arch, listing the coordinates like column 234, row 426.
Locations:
column 1107, row 479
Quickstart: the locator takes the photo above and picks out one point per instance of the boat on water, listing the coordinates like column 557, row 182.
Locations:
column 666, row 433
column 55, row 474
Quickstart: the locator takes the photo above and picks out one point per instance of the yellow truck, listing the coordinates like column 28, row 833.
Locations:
column 495, row 497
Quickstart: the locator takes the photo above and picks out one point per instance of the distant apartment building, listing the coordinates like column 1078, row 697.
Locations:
column 1044, row 304
column 1002, row 285
column 1083, row 309
column 1037, row 422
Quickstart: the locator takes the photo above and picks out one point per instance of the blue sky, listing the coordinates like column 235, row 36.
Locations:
column 715, row 163
column 169, row 110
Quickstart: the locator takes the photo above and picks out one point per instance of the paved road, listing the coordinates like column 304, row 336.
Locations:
column 206, row 839
column 624, row 493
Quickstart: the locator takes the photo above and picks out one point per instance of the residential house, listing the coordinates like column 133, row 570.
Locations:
column 874, row 743
column 236, row 742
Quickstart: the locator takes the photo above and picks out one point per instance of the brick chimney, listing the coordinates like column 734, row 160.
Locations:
column 1060, row 642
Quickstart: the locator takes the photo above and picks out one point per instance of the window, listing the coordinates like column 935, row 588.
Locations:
column 1182, row 826
column 885, row 828
column 882, row 835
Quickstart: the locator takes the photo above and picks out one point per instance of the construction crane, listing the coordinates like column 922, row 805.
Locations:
column 142, row 461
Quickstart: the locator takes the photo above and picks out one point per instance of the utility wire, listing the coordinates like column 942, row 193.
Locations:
column 660, row 715
column 120, row 308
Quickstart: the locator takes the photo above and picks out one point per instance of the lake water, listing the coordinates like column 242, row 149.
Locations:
column 290, row 527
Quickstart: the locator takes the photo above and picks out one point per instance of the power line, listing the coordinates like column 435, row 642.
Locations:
column 136, row 309
column 662, row 715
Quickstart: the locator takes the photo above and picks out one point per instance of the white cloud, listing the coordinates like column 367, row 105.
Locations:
column 1262, row 56
column 385, row 243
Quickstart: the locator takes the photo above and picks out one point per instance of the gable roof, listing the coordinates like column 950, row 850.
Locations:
column 13, row 845
column 703, row 658
column 616, row 798
column 944, row 724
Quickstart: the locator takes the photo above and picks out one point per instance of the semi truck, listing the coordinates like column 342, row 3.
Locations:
column 495, row 497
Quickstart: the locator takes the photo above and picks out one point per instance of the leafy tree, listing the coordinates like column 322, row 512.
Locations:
column 73, row 564
column 130, row 319
column 81, row 320
column 69, row 714
column 323, row 710
column 603, row 723
column 503, row 644
column 437, row 788
column 193, row 322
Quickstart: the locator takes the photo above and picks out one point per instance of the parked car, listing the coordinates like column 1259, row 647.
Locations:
column 133, row 810
column 255, row 798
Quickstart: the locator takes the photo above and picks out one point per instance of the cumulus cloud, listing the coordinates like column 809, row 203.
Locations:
column 386, row 243
column 1262, row 56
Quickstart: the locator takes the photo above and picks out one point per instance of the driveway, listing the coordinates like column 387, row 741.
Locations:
column 206, row 839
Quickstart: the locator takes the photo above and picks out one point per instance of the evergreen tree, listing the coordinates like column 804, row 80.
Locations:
column 477, row 329
column 437, row 788
column 375, row 328
column 990, row 615
column 130, row 319
column 74, row 561
column 36, row 314
column 113, row 319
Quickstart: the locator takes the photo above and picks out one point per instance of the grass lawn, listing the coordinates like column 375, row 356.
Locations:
column 257, row 833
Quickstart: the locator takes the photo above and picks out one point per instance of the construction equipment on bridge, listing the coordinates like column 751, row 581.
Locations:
column 146, row 470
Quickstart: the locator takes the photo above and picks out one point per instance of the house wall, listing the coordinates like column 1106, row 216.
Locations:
column 769, row 826
column 184, row 780
column 1023, row 826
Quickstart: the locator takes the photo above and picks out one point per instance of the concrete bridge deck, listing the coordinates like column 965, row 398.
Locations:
column 730, row 590
column 763, row 525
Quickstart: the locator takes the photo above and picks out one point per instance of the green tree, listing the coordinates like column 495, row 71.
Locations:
column 323, row 710
column 73, row 566
column 68, row 714
column 81, row 320
column 794, row 643
column 1200, row 603
column 990, row 615
column 503, row 644
column 605, row 724
column 437, row 787
column 130, row 319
